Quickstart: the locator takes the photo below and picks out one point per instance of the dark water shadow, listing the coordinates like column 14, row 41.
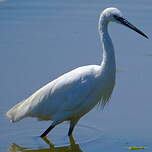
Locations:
column 73, row 147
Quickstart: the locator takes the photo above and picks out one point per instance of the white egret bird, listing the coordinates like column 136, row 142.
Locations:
column 75, row 93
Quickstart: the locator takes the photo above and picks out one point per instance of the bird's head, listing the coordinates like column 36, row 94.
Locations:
column 115, row 15
column 108, row 15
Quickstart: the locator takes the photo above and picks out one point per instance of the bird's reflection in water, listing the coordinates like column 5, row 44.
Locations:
column 73, row 147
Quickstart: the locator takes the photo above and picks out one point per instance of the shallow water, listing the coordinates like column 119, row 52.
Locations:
column 43, row 39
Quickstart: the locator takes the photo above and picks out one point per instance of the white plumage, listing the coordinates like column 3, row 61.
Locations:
column 75, row 93
column 71, row 95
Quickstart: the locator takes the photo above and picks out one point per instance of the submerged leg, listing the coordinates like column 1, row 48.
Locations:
column 48, row 142
column 72, row 141
column 72, row 125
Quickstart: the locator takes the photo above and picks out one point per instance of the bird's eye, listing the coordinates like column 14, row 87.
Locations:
column 115, row 16
column 118, row 18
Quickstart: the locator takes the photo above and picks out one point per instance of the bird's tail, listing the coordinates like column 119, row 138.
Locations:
column 17, row 112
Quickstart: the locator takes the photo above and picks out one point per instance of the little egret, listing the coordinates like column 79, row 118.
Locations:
column 75, row 93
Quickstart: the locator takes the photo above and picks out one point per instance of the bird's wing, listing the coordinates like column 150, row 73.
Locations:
column 65, row 93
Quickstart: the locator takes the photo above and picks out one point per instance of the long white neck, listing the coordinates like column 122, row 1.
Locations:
column 108, row 62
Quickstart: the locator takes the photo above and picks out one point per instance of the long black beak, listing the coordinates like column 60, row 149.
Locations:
column 126, row 23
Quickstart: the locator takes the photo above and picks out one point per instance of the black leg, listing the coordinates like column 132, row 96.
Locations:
column 70, row 130
column 72, row 125
column 48, row 130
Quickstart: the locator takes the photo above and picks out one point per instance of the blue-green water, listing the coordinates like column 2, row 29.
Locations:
column 42, row 39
